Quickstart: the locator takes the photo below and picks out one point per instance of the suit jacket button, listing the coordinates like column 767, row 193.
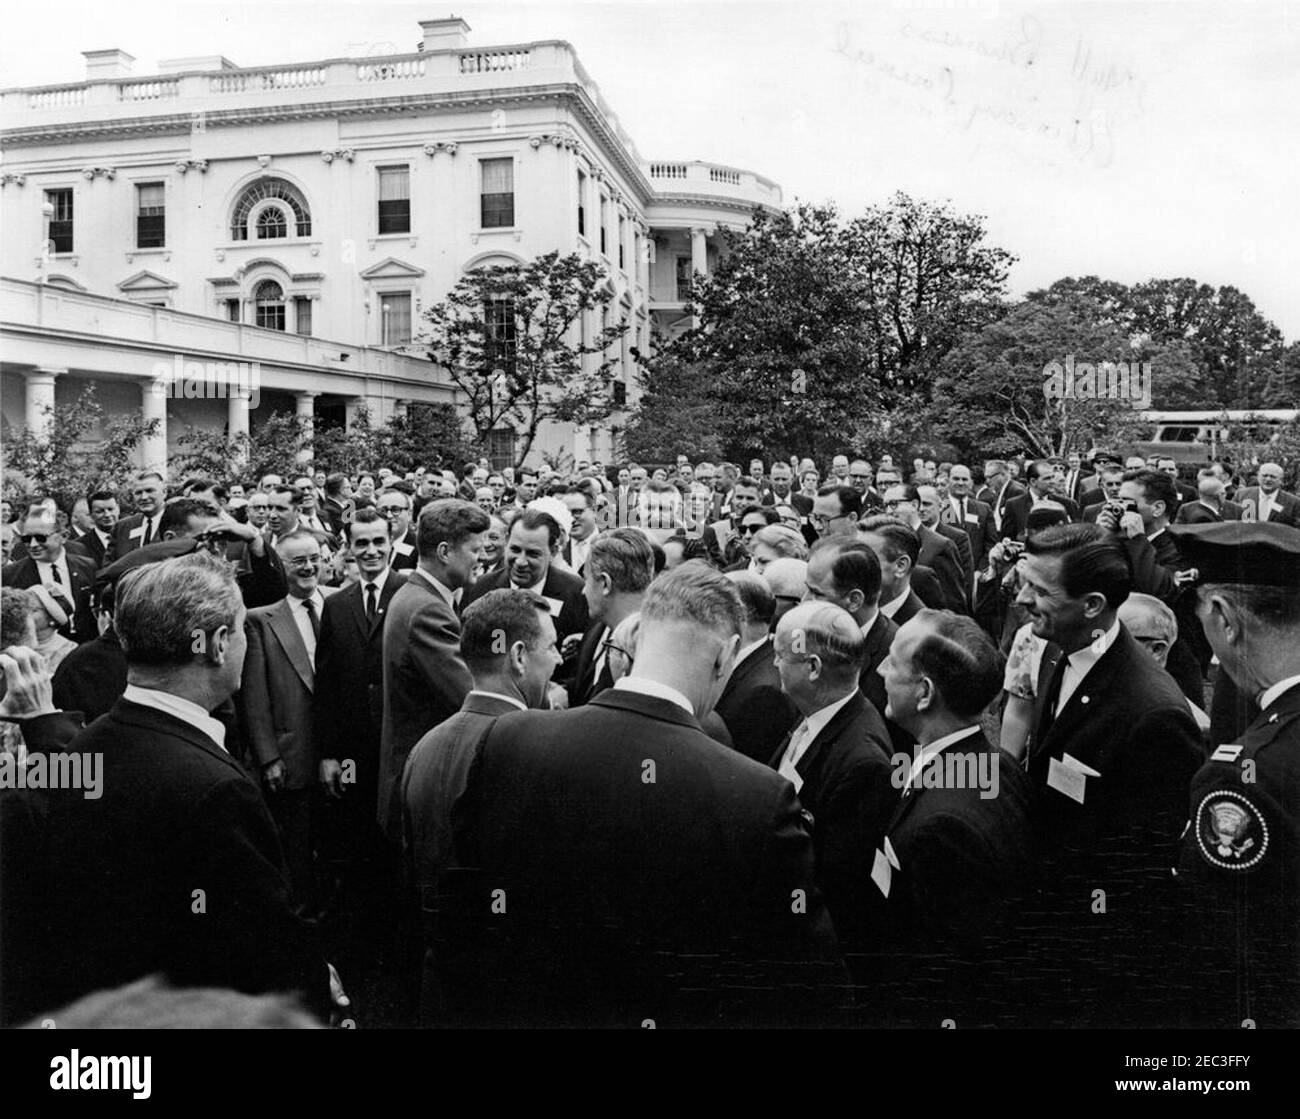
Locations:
column 1083, row 699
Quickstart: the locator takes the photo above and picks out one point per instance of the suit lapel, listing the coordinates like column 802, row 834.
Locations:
column 1080, row 708
column 149, row 718
column 829, row 733
column 286, row 631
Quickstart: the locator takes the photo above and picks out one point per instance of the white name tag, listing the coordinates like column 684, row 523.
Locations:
column 555, row 606
column 402, row 548
column 881, row 872
column 971, row 519
column 1069, row 776
column 136, row 533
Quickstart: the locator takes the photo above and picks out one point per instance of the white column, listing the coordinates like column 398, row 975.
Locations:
column 305, row 409
column 237, row 415
column 153, row 402
column 350, row 408
column 40, row 399
column 699, row 260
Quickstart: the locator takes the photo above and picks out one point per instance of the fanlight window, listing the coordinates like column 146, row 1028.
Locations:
column 269, row 300
column 287, row 211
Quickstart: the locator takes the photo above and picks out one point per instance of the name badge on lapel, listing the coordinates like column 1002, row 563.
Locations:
column 554, row 605
column 402, row 548
column 972, row 519
column 1069, row 776
column 136, row 533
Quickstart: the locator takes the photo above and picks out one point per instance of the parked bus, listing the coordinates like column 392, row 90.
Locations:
column 1196, row 437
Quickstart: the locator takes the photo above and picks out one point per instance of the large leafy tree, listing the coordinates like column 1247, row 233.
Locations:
column 77, row 453
column 813, row 331
column 510, row 338
column 992, row 394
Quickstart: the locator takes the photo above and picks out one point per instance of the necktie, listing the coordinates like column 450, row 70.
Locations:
column 55, row 574
column 787, row 767
column 148, row 531
column 371, row 602
column 1047, row 716
column 310, row 606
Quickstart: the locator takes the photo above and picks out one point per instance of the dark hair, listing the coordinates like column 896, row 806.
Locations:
column 1036, row 467
column 625, row 555
column 584, row 492
column 964, row 664
column 334, row 484
column 176, row 514
column 1156, row 486
column 899, row 537
column 767, row 512
column 850, row 499
column 391, row 488
column 506, row 613
column 1274, row 607
column 100, row 495
column 1091, row 561
column 295, row 498
column 854, row 566
column 533, row 519
column 448, row 520
column 366, row 517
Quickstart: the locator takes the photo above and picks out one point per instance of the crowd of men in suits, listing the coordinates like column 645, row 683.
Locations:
column 679, row 746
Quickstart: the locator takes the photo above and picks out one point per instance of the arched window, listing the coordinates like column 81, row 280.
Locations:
column 269, row 299
column 274, row 208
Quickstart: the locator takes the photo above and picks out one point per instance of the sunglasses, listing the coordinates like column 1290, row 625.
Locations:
column 746, row 530
column 35, row 537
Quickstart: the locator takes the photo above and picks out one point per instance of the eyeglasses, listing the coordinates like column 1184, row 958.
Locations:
column 860, row 477
column 390, row 510
column 746, row 530
column 304, row 562
column 35, row 537
column 609, row 646
column 896, row 503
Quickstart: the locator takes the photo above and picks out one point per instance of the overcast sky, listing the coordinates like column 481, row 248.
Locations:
column 1127, row 140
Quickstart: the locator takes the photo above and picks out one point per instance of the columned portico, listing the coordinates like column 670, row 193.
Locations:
column 237, row 415
column 40, row 399
column 305, row 409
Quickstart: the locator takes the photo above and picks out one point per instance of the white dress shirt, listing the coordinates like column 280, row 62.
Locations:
column 644, row 686
column 46, row 572
column 806, row 733
column 187, row 711
column 1080, row 663
column 931, row 750
column 745, row 650
column 303, row 622
column 1273, row 694
column 892, row 607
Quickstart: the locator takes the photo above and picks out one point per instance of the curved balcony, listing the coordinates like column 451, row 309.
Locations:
column 696, row 179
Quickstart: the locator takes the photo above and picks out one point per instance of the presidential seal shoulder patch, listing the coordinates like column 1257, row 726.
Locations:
column 1230, row 831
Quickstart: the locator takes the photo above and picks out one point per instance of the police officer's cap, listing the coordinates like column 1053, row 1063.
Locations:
column 1260, row 553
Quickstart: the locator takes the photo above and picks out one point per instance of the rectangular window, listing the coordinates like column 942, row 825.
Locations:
column 302, row 315
column 61, row 221
column 395, row 318
column 394, row 200
column 498, row 199
column 150, row 216
column 604, row 206
column 501, row 448
column 620, row 394
column 683, row 277
column 582, row 204
column 232, row 309
column 622, row 236
column 499, row 343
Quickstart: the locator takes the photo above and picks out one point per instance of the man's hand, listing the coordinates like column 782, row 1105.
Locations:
column 1131, row 525
column 28, row 691
column 273, row 775
column 341, row 1014
column 559, row 698
column 250, row 534
column 1108, row 519
column 331, row 777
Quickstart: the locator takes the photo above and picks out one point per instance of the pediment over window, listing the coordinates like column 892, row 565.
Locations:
column 392, row 269
column 145, row 281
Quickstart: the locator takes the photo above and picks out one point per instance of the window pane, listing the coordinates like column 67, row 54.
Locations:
column 498, row 176
column 302, row 315
column 271, row 223
column 149, row 197
column 61, row 222
column 498, row 204
column 394, row 184
column 395, row 216
column 232, row 310
column 395, row 316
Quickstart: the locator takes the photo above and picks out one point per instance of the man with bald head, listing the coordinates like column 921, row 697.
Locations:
column 1267, row 501
column 962, row 510
column 837, row 756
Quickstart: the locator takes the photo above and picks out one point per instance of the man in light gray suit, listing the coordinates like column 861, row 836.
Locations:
column 275, row 700
column 508, row 642
column 425, row 677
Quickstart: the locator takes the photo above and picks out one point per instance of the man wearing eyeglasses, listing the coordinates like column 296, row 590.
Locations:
column 275, row 697
column 836, row 511
column 395, row 507
column 49, row 564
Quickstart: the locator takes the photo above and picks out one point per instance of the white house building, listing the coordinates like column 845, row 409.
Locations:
column 302, row 216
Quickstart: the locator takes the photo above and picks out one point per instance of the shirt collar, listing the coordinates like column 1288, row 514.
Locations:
column 379, row 581
column 439, row 586
column 875, row 613
column 1081, row 660
column 745, row 650
column 643, row 685
column 925, row 753
column 1273, row 694
column 818, row 719
column 177, row 706
column 889, row 609
column 497, row 695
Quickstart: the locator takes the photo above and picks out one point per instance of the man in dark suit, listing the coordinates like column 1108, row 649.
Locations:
column 1238, row 863
column 618, row 571
column 837, row 757
column 148, row 492
column 616, row 886
column 533, row 543
column 337, row 508
column 936, row 552
column 425, row 678
column 963, row 511
column 1112, row 477
column 1111, row 756
column 1044, row 485
column 999, row 488
column 508, row 641
column 1182, row 490
column 395, row 505
column 931, row 506
column 1268, row 501
column 757, row 713
column 172, row 866
column 1211, row 503
column 896, row 547
column 955, row 853
column 275, row 702
column 718, row 537
column 68, row 578
column 98, row 539
column 1075, row 480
